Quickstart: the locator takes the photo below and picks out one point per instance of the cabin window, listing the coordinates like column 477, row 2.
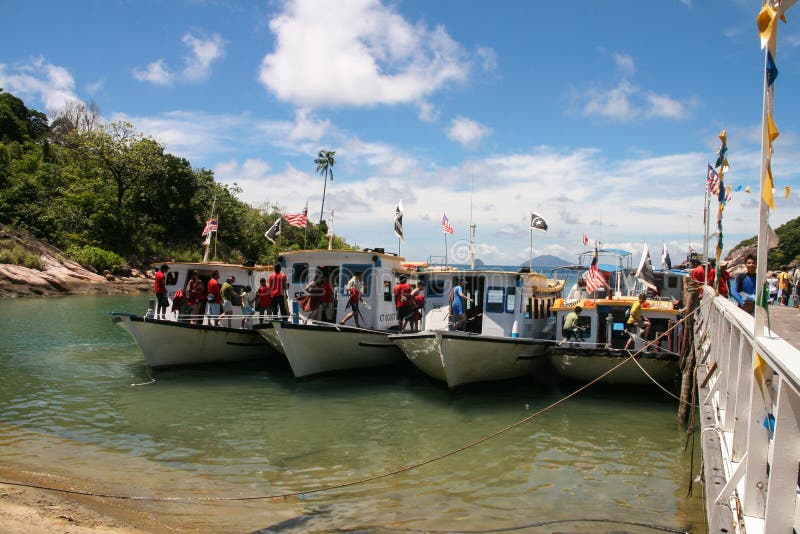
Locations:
column 172, row 278
column 672, row 282
column 387, row 291
column 434, row 288
column 494, row 299
column 529, row 309
column 349, row 270
column 299, row 273
column 511, row 299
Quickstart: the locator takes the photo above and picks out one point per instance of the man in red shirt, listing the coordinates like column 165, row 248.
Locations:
column 214, row 299
column 277, row 291
column 403, row 302
column 263, row 303
column 160, row 287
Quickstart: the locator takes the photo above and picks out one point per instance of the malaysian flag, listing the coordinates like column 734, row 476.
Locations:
column 712, row 181
column 211, row 226
column 446, row 227
column 594, row 278
column 299, row 220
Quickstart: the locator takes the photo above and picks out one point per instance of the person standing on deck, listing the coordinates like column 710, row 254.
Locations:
column 743, row 286
column 263, row 304
column 783, row 286
column 570, row 328
column 195, row 293
column 214, row 299
column 354, row 288
column 457, row 298
column 636, row 319
column 418, row 298
column 277, row 291
column 160, row 287
column 403, row 303
column 723, row 280
column 228, row 294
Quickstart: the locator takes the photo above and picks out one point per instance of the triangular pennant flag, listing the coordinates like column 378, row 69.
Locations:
column 772, row 129
column 747, row 189
column 788, row 191
column 766, row 188
column 772, row 70
column 645, row 271
column 766, row 24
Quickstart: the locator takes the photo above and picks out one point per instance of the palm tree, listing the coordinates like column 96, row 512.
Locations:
column 325, row 161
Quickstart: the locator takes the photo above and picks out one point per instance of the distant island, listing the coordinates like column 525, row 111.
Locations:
column 547, row 261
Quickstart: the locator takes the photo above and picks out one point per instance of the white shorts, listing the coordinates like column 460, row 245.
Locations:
column 212, row 308
column 227, row 306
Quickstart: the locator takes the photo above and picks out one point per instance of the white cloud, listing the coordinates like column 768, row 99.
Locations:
column 204, row 53
column 467, row 132
column 197, row 65
column 624, row 63
column 427, row 112
column 156, row 73
column 488, row 58
column 53, row 85
column 614, row 104
column 664, row 106
column 358, row 54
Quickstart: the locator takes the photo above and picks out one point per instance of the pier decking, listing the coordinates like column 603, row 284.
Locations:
column 749, row 395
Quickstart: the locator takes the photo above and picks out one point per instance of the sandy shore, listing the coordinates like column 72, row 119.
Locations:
column 25, row 510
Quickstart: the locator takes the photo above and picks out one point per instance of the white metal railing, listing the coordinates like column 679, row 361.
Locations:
column 750, row 411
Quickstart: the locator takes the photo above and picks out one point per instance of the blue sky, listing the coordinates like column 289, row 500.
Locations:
column 599, row 116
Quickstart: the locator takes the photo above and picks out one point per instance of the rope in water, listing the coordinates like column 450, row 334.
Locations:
column 363, row 480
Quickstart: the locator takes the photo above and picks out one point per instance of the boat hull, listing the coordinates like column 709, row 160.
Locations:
column 314, row 348
column 169, row 343
column 270, row 334
column 585, row 365
column 459, row 358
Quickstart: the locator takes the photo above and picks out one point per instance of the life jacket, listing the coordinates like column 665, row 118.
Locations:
column 177, row 300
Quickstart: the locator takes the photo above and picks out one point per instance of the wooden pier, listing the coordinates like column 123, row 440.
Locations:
column 749, row 395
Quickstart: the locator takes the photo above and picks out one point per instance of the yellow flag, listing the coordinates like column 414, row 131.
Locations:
column 766, row 24
column 723, row 136
column 772, row 129
column 759, row 366
column 788, row 192
column 766, row 188
column 747, row 189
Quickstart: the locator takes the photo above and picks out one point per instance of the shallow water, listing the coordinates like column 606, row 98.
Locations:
column 68, row 406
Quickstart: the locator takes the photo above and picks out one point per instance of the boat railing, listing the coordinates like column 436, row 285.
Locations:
column 749, row 395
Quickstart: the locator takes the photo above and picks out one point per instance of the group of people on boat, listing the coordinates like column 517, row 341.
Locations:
column 210, row 303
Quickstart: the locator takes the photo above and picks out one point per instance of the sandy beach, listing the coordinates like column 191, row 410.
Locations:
column 26, row 510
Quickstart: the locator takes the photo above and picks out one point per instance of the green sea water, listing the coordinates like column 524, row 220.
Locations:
column 78, row 408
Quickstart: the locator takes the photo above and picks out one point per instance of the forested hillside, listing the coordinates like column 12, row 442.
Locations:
column 107, row 195
column 788, row 250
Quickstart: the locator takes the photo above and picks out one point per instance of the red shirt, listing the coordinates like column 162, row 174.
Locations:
column 723, row 283
column 355, row 294
column 277, row 285
column 327, row 292
column 161, row 283
column 262, row 293
column 213, row 289
column 401, row 293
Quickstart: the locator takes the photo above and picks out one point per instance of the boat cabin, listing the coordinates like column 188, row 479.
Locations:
column 601, row 323
column 500, row 303
column 379, row 275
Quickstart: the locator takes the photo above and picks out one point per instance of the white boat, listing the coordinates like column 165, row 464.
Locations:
column 509, row 325
column 600, row 345
column 168, row 343
column 317, row 348
column 187, row 340
column 313, row 346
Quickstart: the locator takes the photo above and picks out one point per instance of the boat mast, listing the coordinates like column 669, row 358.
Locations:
column 471, row 225
column 207, row 242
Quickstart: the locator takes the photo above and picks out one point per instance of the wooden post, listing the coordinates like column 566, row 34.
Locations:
column 687, row 356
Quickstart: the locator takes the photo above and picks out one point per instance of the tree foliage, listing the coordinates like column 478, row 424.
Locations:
column 788, row 249
column 106, row 190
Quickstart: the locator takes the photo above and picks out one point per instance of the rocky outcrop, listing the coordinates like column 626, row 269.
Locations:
column 59, row 276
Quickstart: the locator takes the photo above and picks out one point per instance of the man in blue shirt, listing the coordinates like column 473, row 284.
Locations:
column 743, row 286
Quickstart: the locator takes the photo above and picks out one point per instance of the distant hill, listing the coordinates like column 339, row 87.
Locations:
column 786, row 253
column 546, row 261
